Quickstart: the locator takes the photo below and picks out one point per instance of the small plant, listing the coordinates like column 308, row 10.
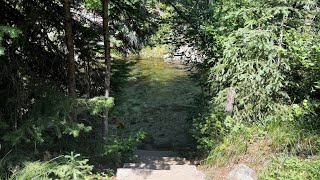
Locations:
column 73, row 167
column 120, row 149
column 33, row 170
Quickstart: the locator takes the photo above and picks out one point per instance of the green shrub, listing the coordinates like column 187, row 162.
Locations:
column 292, row 138
column 65, row 167
column 118, row 150
column 292, row 168
column 208, row 130
column 72, row 167
column 287, row 130
column 47, row 119
column 233, row 146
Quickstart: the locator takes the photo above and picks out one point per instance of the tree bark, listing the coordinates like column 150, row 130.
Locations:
column 230, row 100
column 280, row 41
column 106, row 37
column 70, row 47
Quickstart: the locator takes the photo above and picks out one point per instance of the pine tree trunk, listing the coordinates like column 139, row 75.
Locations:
column 70, row 55
column 280, row 41
column 105, row 8
column 70, row 47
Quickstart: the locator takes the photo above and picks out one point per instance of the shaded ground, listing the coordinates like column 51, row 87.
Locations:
column 159, row 165
column 156, row 97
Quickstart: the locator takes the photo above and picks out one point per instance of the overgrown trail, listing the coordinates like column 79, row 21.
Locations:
column 157, row 97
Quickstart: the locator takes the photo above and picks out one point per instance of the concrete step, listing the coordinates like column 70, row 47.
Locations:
column 157, row 165
column 142, row 153
column 147, row 166
column 175, row 172
column 168, row 160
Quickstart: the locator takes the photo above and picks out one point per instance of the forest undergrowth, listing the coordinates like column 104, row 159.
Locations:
column 260, row 82
column 258, row 71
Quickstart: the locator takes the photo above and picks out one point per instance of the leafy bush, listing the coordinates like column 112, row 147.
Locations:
column 292, row 168
column 208, row 130
column 118, row 150
column 232, row 146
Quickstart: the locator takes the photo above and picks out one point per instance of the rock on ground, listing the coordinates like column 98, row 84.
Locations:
column 241, row 172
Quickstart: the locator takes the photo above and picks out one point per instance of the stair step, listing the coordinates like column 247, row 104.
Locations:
column 159, row 165
column 172, row 160
column 147, row 166
column 154, row 165
column 142, row 153
column 176, row 172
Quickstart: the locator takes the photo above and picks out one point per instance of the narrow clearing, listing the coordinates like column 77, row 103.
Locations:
column 157, row 98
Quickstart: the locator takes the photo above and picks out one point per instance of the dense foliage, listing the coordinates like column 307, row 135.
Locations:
column 36, row 114
column 268, row 51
